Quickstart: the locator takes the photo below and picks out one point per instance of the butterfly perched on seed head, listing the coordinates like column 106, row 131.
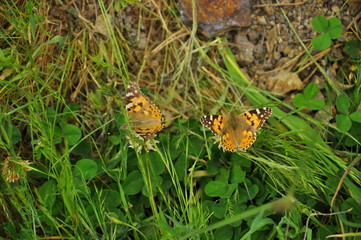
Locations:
column 145, row 117
column 237, row 132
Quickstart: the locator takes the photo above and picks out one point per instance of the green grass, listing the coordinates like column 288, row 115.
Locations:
column 62, row 109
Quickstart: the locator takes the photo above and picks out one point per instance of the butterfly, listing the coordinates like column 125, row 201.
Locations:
column 237, row 132
column 145, row 117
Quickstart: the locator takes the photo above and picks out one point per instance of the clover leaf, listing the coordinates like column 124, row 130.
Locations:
column 305, row 99
column 330, row 29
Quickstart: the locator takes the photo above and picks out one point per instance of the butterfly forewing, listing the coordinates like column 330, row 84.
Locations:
column 144, row 115
column 134, row 98
column 213, row 122
column 257, row 117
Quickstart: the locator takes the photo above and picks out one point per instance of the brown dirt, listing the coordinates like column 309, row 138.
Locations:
column 263, row 50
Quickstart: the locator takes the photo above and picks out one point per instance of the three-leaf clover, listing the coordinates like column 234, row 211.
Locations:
column 305, row 99
column 330, row 28
column 343, row 120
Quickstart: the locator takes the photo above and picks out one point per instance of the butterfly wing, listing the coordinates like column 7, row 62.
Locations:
column 248, row 138
column 257, row 117
column 214, row 122
column 237, row 135
column 145, row 116
column 237, row 132
column 135, row 100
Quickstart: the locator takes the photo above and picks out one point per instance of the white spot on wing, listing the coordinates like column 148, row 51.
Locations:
column 129, row 105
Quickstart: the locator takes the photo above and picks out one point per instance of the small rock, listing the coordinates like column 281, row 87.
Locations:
column 283, row 82
column 319, row 81
column 288, row 50
column 259, row 52
column 100, row 26
column 324, row 116
column 268, row 64
column 245, row 49
column 276, row 55
column 283, row 61
column 262, row 20
column 271, row 39
column 253, row 36
column 217, row 16
column 283, row 47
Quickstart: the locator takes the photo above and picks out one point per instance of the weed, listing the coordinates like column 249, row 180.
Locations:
column 82, row 181
column 353, row 48
column 330, row 28
column 305, row 99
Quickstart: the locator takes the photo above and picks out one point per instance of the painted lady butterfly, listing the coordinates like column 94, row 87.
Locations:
column 237, row 132
column 145, row 117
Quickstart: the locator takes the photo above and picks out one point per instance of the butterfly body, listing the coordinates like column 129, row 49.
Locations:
column 145, row 117
column 237, row 132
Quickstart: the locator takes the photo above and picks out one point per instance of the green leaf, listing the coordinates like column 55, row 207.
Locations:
column 334, row 27
column 215, row 188
column 156, row 163
column 299, row 100
column 351, row 203
column 52, row 115
column 320, row 23
column 181, row 166
column 321, row 42
column 223, row 175
column 6, row 58
column 13, row 134
column 219, row 209
column 353, row 48
column 70, row 110
column 331, row 29
column 213, row 166
column 111, row 198
column 86, row 168
column 224, row 233
column 230, row 190
column 311, row 91
column 253, row 191
column 240, row 160
column 356, row 116
column 355, row 191
column 82, row 149
column 115, row 139
column 47, row 194
column 156, row 181
column 57, row 39
column 71, row 133
column 343, row 122
column 343, row 104
column 81, row 187
column 237, row 174
column 195, row 144
column 315, row 104
column 133, row 184
column 256, row 224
